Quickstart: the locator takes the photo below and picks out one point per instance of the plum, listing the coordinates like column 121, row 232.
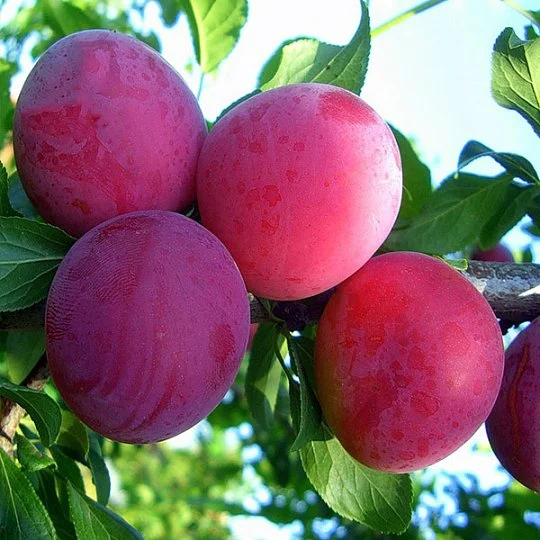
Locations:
column 408, row 362
column 105, row 126
column 302, row 183
column 498, row 253
column 147, row 321
column 513, row 427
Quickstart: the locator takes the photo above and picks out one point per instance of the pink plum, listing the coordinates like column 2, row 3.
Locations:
column 147, row 321
column 408, row 362
column 513, row 427
column 104, row 126
column 303, row 184
column 499, row 253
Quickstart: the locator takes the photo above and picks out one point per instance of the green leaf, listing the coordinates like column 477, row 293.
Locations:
column 22, row 514
column 215, row 27
column 67, row 467
column 416, row 178
column 455, row 215
column 47, row 492
column 517, row 206
column 19, row 199
column 305, row 409
column 100, row 473
column 515, row 82
column 23, row 350
column 65, row 18
column 7, row 70
column 5, row 206
column 264, row 373
column 379, row 500
column 516, row 165
column 43, row 410
column 92, row 520
column 74, row 436
column 30, row 458
column 30, row 253
column 310, row 60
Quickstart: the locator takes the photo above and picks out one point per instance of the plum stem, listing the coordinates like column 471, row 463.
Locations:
column 394, row 21
column 526, row 13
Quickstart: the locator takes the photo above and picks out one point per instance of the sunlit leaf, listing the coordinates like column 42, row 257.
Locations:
column 215, row 28
column 310, row 60
column 380, row 500
column 515, row 82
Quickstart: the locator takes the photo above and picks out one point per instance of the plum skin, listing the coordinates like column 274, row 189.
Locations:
column 302, row 183
column 513, row 427
column 147, row 321
column 498, row 253
column 105, row 126
column 408, row 362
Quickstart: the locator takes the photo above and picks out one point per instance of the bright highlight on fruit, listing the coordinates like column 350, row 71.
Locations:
column 104, row 126
column 302, row 184
column 147, row 321
column 408, row 362
column 513, row 427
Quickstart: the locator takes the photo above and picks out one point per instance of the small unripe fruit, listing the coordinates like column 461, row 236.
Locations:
column 302, row 183
column 408, row 362
column 105, row 126
column 499, row 253
column 147, row 321
column 513, row 427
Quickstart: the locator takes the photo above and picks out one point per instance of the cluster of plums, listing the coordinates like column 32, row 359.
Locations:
column 148, row 316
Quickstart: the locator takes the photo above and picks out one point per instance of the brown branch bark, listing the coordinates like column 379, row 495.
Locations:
column 512, row 290
column 12, row 413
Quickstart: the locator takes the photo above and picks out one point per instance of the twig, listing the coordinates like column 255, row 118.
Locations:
column 394, row 21
column 11, row 413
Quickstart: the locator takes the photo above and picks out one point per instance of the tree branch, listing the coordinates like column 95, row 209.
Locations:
column 12, row 413
column 512, row 290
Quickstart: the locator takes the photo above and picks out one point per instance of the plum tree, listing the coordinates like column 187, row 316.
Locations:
column 144, row 341
column 513, row 427
column 397, row 360
column 314, row 177
column 104, row 126
column 498, row 253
